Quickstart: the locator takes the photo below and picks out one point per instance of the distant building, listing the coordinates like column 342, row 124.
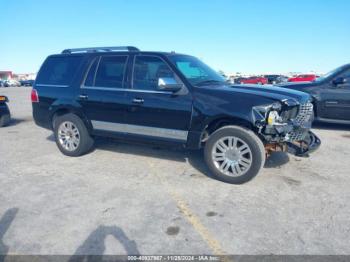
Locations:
column 30, row 76
column 6, row 75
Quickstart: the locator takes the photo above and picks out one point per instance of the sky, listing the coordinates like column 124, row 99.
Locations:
column 249, row 36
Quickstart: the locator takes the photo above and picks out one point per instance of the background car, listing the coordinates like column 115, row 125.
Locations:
column 5, row 115
column 11, row 82
column 276, row 79
column 331, row 95
column 26, row 82
column 238, row 80
column 303, row 78
column 258, row 80
column 1, row 83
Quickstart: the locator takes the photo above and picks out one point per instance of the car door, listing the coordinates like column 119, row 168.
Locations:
column 335, row 99
column 103, row 95
column 153, row 113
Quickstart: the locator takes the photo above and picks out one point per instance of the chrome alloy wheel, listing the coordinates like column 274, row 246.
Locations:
column 68, row 136
column 232, row 156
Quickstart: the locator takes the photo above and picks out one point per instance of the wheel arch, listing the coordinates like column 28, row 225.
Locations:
column 219, row 122
column 56, row 111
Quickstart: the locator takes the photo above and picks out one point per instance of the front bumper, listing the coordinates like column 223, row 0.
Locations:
column 303, row 148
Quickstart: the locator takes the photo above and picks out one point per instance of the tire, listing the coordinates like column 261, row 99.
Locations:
column 239, row 169
column 71, row 135
column 4, row 120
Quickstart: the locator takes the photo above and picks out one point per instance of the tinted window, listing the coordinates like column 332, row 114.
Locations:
column 147, row 71
column 110, row 72
column 90, row 78
column 59, row 70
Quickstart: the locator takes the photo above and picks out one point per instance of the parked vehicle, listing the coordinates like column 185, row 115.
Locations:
column 237, row 80
column 303, row 78
column 5, row 115
column 2, row 83
column 257, row 80
column 331, row 95
column 26, row 82
column 170, row 99
column 275, row 79
column 11, row 82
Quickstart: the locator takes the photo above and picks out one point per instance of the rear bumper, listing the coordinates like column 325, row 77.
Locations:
column 303, row 148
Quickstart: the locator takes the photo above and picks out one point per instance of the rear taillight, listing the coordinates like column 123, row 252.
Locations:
column 34, row 96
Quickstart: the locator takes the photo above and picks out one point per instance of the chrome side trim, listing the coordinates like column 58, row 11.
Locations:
column 103, row 88
column 332, row 121
column 51, row 85
column 141, row 130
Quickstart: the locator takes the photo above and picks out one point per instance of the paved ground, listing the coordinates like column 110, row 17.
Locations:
column 124, row 198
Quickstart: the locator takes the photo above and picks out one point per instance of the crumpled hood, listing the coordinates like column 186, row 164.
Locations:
column 269, row 91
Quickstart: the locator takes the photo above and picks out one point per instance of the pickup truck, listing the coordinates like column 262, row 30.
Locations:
column 330, row 95
column 303, row 78
column 169, row 99
column 257, row 80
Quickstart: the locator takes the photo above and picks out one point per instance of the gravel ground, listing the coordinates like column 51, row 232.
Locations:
column 132, row 199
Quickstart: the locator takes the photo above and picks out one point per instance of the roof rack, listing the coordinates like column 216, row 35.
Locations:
column 100, row 49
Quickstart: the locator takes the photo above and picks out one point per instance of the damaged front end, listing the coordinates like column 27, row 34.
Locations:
column 285, row 126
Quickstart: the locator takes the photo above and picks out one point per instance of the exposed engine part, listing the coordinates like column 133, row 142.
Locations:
column 275, row 147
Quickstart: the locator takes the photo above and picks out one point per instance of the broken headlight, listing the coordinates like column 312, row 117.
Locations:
column 273, row 115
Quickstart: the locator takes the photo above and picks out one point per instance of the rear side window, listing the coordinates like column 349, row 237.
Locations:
column 110, row 72
column 58, row 70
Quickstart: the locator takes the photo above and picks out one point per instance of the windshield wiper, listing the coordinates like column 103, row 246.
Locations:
column 210, row 82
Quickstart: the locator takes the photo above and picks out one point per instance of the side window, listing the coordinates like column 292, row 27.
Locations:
column 58, row 70
column 90, row 78
column 189, row 70
column 346, row 76
column 111, row 71
column 147, row 71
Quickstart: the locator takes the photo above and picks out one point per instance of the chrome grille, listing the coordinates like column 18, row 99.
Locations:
column 296, row 136
column 305, row 116
column 305, row 113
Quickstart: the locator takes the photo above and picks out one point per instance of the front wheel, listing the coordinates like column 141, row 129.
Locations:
column 72, row 136
column 234, row 154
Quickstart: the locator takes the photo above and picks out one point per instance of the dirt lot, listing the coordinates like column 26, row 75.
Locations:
column 129, row 199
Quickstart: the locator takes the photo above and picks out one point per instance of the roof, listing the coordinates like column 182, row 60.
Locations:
column 113, row 49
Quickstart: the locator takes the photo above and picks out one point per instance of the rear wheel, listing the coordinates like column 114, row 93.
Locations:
column 71, row 135
column 234, row 154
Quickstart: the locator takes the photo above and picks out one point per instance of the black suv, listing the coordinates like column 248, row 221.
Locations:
column 330, row 93
column 170, row 99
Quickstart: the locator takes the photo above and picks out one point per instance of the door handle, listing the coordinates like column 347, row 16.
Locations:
column 83, row 97
column 138, row 101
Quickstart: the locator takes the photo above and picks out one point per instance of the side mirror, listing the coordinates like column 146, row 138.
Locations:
column 169, row 84
column 339, row 81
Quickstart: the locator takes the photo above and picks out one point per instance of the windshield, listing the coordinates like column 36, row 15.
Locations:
column 330, row 74
column 195, row 71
